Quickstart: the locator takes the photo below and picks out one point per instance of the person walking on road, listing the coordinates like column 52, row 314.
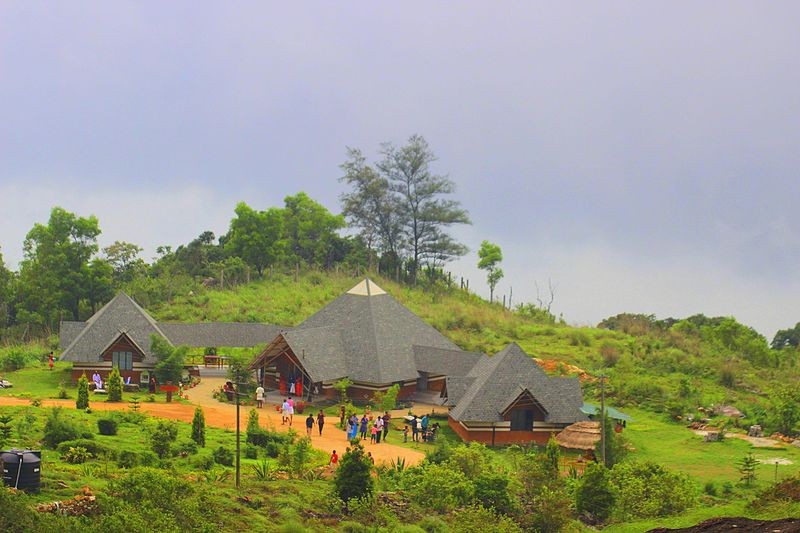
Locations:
column 320, row 421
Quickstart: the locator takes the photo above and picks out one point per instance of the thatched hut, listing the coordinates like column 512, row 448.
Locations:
column 580, row 436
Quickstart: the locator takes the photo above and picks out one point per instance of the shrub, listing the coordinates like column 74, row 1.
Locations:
column 199, row 427
column 273, row 449
column 107, row 426
column 186, row 448
column 202, row 462
column 127, row 459
column 96, row 449
column 62, row 392
column 578, row 337
column 594, row 494
column 710, row 488
column 223, row 456
column 610, row 354
column 58, row 429
column 77, row 455
column 727, row 376
column 648, row 490
column 433, row 524
column 491, row 491
column 467, row 519
column 162, row 437
column 353, row 477
column 114, row 386
column 438, row 487
column 83, row 393
column 250, row 451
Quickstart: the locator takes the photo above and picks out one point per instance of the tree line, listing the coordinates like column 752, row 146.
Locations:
column 395, row 219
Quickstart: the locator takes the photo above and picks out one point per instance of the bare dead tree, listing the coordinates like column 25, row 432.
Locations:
column 551, row 289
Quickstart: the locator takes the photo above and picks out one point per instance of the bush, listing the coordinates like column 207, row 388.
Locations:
column 438, row 487
column 107, row 426
column 223, row 456
column 594, row 495
column 648, row 490
column 83, row 393
column 467, row 519
column 58, row 429
column 273, row 449
column 202, row 462
column 114, row 386
column 491, row 491
column 199, row 427
column 433, row 524
column 353, row 478
column 186, row 448
column 96, row 449
column 128, row 459
column 162, row 437
column 76, row 455
column 250, row 451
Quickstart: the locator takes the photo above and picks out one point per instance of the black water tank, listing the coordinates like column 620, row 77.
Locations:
column 22, row 469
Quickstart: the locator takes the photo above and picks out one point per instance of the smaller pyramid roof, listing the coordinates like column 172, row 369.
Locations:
column 494, row 383
column 120, row 315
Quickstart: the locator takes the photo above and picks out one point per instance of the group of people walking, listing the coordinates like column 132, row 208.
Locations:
column 377, row 429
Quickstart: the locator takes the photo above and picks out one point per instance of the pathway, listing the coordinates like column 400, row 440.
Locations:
column 222, row 415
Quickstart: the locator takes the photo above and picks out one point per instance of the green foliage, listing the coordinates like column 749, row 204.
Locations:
column 747, row 469
column 310, row 230
column 616, row 448
column 199, row 427
column 467, row 519
column 594, row 494
column 386, row 401
column 471, row 459
column 438, row 487
column 223, row 456
column 83, row 392
column 784, row 408
column 552, row 454
column 162, row 435
column 492, row 491
column 257, row 236
column 545, row 504
column 490, row 257
column 114, row 386
column 353, row 478
column 127, row 459
column 93, row 447
column 58, row 429
column 171, row 360
column 107, row 426
column 18, row 357
column 342, row 385
column 76, row 455
column 5, row 429
column 649, row 490
column 57, row 273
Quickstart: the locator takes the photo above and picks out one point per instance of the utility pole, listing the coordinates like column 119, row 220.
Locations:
column 602, row 419
column 238, row 450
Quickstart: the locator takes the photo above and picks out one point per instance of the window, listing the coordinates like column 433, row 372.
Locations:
column 521, row 420
column 122, row 360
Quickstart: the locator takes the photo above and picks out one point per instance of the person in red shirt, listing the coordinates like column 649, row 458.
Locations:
column 334, row 460
column 50, row 362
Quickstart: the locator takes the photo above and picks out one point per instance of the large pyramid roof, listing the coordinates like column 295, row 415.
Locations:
column 377, row 335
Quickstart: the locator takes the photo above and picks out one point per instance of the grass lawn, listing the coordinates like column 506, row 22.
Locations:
column 676, row 447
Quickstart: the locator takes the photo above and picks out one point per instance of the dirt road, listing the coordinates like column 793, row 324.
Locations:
column 221, row 415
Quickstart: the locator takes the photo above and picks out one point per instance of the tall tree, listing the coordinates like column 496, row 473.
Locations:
column 256, row 236
column 55, row 271
column 124, row 260
column 490, row 256
column 370, row 206
column 311, row 230
column 426, row 212
column 6, row 277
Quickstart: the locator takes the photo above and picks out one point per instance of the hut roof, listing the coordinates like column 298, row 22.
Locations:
column 580, row 436
column 497, row 381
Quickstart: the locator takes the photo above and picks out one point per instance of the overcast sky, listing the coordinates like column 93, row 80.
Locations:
column 643, row 156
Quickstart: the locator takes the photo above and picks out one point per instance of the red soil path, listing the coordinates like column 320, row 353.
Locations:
column 221, row 415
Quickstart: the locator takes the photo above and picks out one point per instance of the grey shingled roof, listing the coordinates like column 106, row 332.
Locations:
column 120, row 315
column 205, row 334
column 456, row 387
column 85, row 341
column 68, row 331
column 500, row 379
column 320, row 351
column 377, row 333
column 443, row 362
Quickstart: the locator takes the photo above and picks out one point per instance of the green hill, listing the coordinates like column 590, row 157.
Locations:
column 670, row 366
